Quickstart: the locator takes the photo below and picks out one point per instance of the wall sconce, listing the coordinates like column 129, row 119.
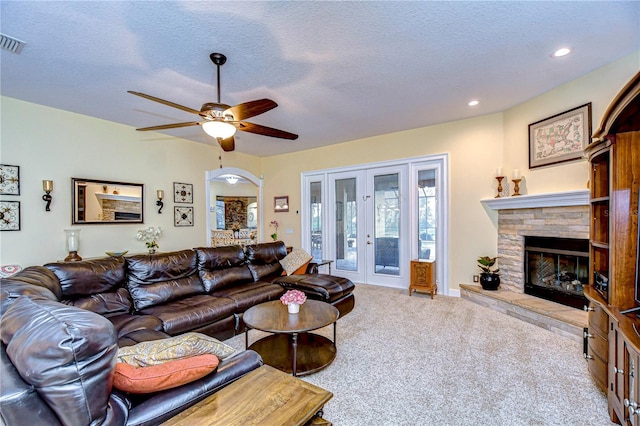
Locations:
column 159, row 203
column 73, row 242
column 47, row 186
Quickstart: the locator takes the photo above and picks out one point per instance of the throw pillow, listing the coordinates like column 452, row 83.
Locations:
column 295, row 260
column 187, row 345
column 159, row 377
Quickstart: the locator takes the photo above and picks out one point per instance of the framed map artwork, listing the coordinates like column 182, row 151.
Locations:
column 560, row 138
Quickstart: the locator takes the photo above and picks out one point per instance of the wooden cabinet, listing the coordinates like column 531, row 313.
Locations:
column 617, row 376
column 423, row 277
column 597, row 345
column 631, row 410
column 614, row 354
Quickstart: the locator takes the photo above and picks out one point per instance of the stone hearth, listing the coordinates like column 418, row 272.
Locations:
column 559, row 319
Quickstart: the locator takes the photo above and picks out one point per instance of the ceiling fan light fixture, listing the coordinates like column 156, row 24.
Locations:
column 231, row 179
column 219, row 129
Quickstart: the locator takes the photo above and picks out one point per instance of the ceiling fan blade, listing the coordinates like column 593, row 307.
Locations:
column 170, row 126
column 266, row 131
column 162, row 101
column 251, row 109
column 227, row 144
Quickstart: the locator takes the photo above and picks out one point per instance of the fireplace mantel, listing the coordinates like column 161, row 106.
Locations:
column 579, row 197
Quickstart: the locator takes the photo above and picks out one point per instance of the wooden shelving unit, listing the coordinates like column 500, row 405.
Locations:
column 612, row 341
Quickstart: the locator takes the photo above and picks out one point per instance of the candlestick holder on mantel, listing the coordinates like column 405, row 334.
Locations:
column 500, row 189
column 516, row 186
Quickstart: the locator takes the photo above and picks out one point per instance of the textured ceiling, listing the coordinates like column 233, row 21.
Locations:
column 338, row 70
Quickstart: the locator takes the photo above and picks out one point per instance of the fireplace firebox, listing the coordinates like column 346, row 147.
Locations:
column 557, row 269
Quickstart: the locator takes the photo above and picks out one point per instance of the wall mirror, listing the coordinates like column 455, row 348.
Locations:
column 234, row 206
column 106, row 202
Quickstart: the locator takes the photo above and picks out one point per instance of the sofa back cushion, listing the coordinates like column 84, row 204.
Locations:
column 264, row 259
column 220, row 267
column 67, row 354
column 96, row 285
column 34, row 281
column 162, row 277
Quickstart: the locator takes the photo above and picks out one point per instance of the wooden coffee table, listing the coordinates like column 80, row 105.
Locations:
column 265, row 396
column 292, row 348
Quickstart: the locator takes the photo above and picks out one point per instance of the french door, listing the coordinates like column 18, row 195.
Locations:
column 369, row 225
column 371, row 220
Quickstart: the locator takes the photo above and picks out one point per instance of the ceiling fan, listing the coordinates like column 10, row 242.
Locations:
column 221, row 121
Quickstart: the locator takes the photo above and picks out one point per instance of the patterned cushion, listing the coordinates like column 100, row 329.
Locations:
column 159, row 377
column 186, row 345
column 294, row 260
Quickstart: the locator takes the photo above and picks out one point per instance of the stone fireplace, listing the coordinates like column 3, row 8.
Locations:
column 557, row 269
column 556, row 215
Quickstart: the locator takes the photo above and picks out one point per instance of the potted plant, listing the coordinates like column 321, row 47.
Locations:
column 149, row 236
column 293, row 299
column 489, row 279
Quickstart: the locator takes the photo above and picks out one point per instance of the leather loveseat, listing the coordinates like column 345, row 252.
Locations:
column 62, row 324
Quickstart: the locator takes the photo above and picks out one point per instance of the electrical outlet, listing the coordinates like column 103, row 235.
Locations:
column 476, row 278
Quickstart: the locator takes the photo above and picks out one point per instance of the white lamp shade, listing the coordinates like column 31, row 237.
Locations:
column 73, row 239
column 219, row 129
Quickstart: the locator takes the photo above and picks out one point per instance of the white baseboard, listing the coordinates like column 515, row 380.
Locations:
column 454, row 292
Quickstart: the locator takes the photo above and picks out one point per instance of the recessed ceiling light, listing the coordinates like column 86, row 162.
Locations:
column 564, row 51
column 473, row 102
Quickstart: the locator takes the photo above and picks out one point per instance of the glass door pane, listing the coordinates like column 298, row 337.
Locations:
column 386, row 216
column 315, row 209
column 427, row 222
column 346, row 224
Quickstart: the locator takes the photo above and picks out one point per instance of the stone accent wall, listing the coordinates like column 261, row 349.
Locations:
column 515, row 224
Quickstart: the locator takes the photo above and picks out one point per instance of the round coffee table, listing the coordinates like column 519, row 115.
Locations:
column 292, row 348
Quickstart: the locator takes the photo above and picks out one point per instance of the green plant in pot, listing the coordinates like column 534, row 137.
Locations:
column 489, row 279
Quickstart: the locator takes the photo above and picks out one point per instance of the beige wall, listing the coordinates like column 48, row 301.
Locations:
column 598, row 87
column 61, row 145
column 476, row 147
column 475, row 150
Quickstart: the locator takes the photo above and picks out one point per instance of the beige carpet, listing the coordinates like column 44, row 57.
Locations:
column 415, row 361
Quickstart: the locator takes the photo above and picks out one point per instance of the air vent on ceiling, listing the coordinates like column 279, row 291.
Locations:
column 11, row 44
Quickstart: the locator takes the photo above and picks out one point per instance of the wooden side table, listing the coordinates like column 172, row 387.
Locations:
column 423, row 277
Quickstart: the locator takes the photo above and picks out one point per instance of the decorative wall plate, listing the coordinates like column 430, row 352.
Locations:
column 182, row 193
column 183, row 216
column 9, row 215
column 9, row 180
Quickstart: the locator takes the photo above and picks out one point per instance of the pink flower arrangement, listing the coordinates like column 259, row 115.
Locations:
column 293, row 296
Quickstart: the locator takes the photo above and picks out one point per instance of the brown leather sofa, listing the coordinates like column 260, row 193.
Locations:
column 95, row 306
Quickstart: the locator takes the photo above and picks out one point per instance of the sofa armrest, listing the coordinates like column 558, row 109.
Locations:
column 161, row 406
column 327, row 288
column 312, row 268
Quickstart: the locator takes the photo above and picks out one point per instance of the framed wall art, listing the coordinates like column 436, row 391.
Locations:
column 560, row 138
column 182, row 216
column 281, row 204
column 9, row 180
column 182, row 193
column 9, row 215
